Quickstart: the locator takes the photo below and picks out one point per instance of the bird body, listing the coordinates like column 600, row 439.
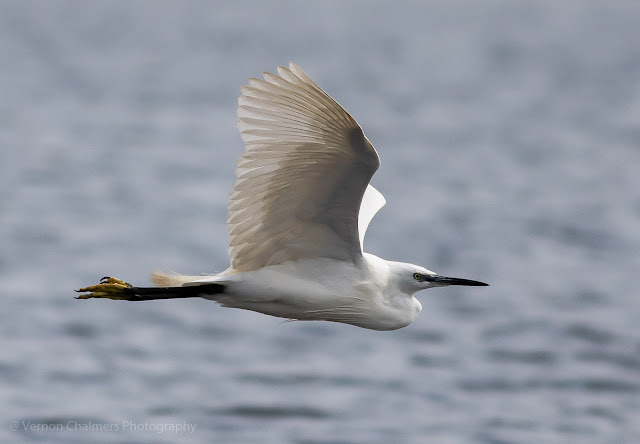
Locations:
column 298, row 213
column 365, row 294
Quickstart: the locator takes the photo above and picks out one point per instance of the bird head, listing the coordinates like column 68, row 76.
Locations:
column 412, row 278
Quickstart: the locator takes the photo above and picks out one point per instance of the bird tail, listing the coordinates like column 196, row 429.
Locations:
column 171, row 279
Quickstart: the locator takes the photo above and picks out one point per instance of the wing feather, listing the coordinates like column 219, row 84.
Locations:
column 301, row 179
column 372, row 201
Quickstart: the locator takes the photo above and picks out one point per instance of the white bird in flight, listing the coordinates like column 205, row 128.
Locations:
column 297, row 215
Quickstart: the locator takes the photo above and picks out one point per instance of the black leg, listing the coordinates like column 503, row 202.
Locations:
column 114, row 288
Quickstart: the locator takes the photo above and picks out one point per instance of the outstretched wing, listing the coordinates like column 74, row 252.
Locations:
column 300, row 181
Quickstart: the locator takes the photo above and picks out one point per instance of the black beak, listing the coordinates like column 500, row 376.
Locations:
column 444, row 280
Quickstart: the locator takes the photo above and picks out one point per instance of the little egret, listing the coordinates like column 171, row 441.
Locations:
column 297, row 215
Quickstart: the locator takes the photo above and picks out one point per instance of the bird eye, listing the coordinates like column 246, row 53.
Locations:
column 417, row 276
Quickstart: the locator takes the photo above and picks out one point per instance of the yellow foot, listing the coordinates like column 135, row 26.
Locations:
column 109, row 288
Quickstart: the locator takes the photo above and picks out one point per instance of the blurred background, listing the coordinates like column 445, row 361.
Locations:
column 510, row 144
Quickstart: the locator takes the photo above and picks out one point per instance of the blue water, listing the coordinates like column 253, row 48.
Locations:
column 510, row 143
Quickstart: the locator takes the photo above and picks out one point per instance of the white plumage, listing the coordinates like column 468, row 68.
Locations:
column 301, row 177
column 298, row 213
